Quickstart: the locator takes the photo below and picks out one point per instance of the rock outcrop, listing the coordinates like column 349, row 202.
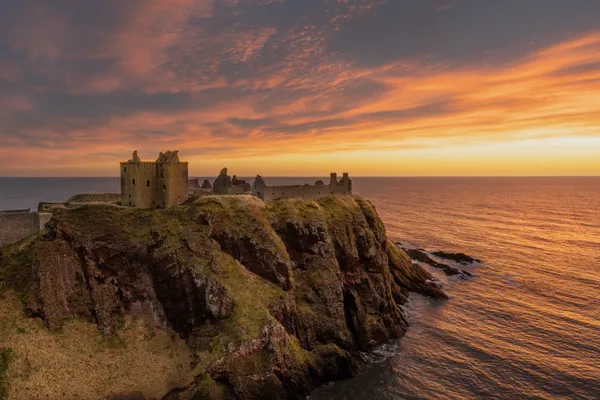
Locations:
column 460, row 258
column 422, row 256
column 270, row 300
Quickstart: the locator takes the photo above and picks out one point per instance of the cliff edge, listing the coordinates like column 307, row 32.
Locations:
column 224, row 298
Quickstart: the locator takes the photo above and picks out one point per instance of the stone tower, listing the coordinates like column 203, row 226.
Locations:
column 172, row 177
column 147, row 184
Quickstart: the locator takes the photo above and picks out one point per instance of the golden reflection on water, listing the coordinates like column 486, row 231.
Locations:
column 528, row 324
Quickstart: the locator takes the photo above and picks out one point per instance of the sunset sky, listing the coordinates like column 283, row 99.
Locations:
column 301, row 87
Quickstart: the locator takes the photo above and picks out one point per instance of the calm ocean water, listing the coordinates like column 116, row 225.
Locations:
column 527, row 326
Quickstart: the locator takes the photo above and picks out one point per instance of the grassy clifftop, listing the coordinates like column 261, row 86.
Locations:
column 230, row 296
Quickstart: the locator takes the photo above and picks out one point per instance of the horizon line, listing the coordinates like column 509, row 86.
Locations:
column 316, row 176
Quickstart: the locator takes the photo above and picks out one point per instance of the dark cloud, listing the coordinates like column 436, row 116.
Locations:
column 66, row 112
column 432, row 109
column 472, row 31
column 227, row 68
column 578, row 69
column 274, row 125
column 117, row 103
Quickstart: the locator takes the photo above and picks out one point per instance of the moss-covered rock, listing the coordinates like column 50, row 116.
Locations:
column 271, row 299
column 95, row 198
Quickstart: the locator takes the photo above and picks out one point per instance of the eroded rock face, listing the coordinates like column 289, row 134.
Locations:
column 272, row 300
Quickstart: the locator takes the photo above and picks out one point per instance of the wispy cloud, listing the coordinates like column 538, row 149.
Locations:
column 260, row 79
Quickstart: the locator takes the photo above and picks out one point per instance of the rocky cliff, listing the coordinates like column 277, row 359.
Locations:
column 223, row 298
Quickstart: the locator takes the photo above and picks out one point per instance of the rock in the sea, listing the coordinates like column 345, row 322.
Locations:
column 460, row 258
column 225, row 297
column 421, row 255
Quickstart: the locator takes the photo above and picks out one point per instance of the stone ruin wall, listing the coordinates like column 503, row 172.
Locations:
column 147, row 184
column 16, row 227
column 173, row 183
column 318, row 190
column 272, row 193
column 138, row 184
column 193, row 184
column 166, row 183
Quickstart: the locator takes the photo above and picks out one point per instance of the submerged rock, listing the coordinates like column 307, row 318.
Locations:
column 460, row 258
column 271, row 300
column 421, row 255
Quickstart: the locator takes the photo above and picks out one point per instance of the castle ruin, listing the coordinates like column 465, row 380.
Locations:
column 319, row 189
column 162, row 183
column 165, row 183
column 147, row 184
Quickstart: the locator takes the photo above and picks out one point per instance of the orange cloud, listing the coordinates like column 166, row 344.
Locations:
column 279, row 101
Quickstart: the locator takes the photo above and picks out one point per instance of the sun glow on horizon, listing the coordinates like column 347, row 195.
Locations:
column 537, row 115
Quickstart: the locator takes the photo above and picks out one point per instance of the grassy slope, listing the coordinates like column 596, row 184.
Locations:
column 136, row 358
column 77, row 361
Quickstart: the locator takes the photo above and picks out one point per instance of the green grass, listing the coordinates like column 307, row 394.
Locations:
column 79, row 361
column 6, row 355
column 190, row 234
column 251, row 295
column 15, row 268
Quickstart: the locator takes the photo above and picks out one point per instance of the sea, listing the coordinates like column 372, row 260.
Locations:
column 525, row 326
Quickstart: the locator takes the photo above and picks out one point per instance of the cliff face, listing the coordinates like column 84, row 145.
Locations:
column 260, row 300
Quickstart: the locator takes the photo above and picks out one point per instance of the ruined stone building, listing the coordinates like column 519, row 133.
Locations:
column 224, row 184
column 319, row 189
column 147, row 184
column 193, row 184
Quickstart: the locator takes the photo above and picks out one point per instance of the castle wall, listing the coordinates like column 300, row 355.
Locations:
column 154, row 184
column 173, row 184
column 138, row 184
column 237, row 190
column 16, row 227
column 340, row 190
column 43, row 219
column 146, row 185
column 193, row 184
column 272, row 193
